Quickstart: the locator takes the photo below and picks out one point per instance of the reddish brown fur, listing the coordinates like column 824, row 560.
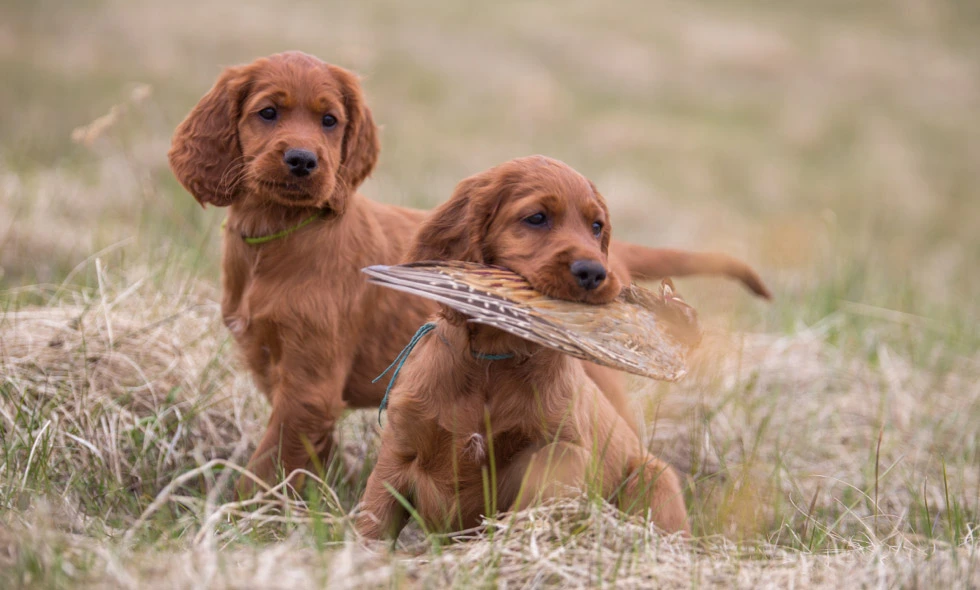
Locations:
column 549, row 423
column 313, row 332
column 299, row 307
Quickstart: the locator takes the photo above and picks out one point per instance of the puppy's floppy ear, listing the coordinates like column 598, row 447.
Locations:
column 456, row 230
column 205, row 154
column 361, row 146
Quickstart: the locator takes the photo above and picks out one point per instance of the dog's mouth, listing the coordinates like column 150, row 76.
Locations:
column 292, row 190
column 598, row 297
column 566, row 291
column 289, row 193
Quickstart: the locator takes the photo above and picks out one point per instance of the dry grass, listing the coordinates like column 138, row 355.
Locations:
column 828, row 439
column 571, row 545
column 123, row 424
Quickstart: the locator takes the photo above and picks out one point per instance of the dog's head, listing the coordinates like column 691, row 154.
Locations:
column 536, row 216
column 288, row 129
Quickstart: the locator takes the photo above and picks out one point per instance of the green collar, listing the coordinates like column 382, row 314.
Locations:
column 256, row 240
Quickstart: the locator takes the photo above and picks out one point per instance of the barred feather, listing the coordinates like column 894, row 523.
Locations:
column 626, row 334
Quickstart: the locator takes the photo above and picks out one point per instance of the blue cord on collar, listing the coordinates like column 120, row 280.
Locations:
column 403, row 356
column 399, row 361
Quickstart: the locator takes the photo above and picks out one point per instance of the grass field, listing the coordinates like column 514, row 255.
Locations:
column 829, row 439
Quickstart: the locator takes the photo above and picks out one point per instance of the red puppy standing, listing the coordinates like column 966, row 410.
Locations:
column 284, row 142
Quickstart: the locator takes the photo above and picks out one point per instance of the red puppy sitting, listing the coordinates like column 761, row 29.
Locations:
column 549, row 425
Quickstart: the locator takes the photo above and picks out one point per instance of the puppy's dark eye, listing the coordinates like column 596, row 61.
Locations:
column 536, row 220
column 597, row 229
column 329, row 121
column 268, row 113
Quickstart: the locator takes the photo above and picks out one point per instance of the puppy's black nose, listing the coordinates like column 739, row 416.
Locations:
column 588, row 273
column 300, row 162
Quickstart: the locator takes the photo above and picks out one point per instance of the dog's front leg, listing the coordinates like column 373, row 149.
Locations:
column 305, row 409
column 381, row 513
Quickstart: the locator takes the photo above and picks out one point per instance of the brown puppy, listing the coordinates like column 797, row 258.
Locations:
column 549, row 424
column 284, row 142
column 281, row 140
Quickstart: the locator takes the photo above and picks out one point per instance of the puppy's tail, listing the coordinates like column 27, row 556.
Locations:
column 655, row 263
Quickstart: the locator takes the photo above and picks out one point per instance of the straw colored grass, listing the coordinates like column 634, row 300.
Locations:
column 125, row 420
column 828, row 439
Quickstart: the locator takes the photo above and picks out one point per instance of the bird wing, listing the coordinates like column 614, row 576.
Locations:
column 625, row 334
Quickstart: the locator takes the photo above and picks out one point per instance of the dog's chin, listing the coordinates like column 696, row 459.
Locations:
column 291, row 194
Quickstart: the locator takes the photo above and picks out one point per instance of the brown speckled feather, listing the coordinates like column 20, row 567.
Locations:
column 641, row 332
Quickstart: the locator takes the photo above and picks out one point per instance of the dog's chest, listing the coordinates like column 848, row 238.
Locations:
column 309, row 292
column 514, row 401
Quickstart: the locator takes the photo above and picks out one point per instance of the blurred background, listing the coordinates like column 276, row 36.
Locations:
column 836, row 145
column 833, row 144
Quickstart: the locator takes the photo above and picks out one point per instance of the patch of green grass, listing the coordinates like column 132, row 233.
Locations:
column 834, row 145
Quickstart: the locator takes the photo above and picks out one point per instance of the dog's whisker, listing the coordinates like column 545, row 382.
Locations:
column 234, row 173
